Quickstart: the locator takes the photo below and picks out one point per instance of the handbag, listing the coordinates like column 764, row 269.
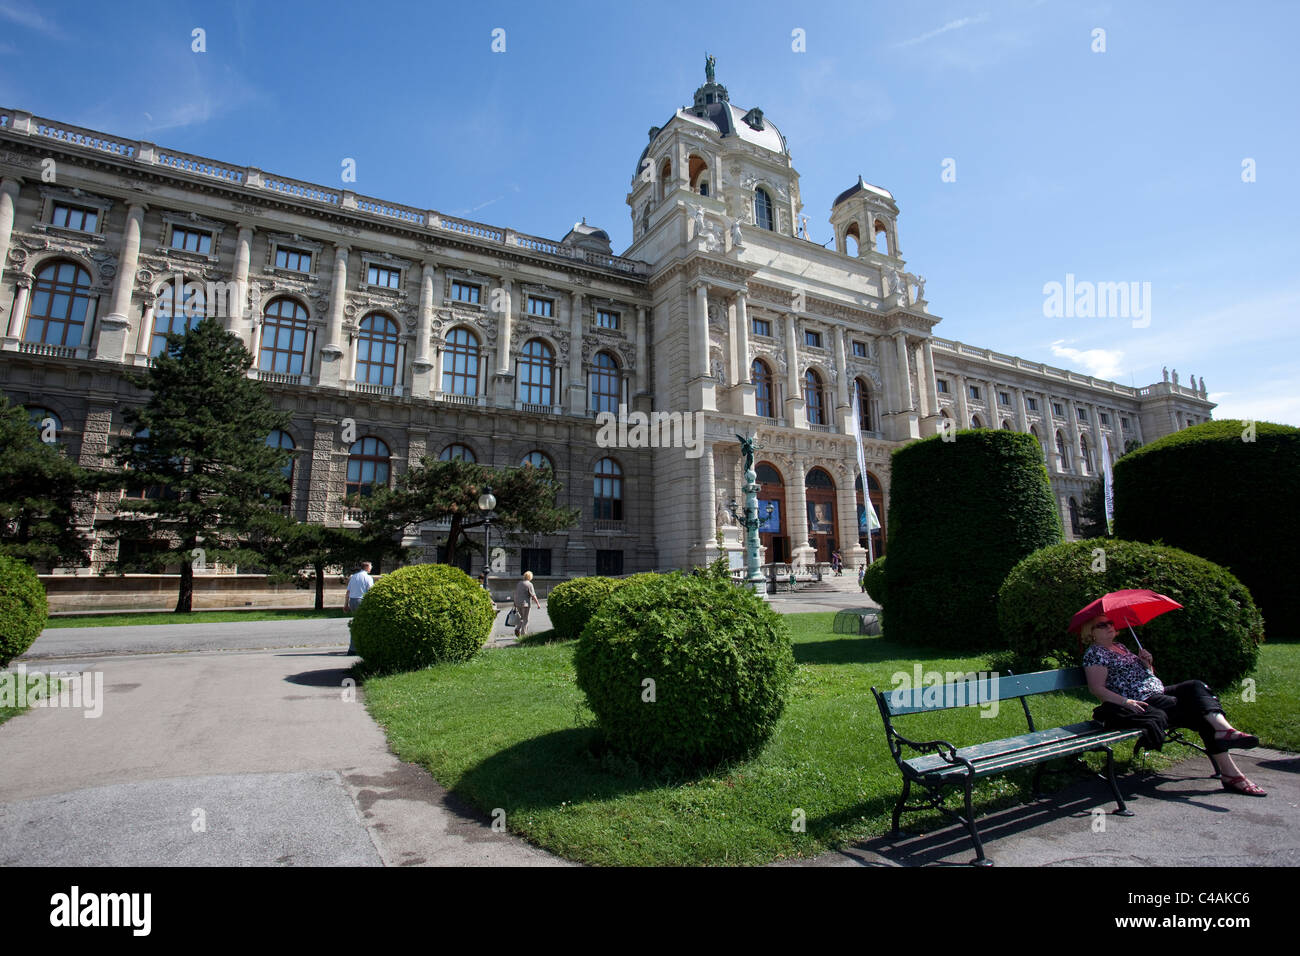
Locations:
column 512, row 617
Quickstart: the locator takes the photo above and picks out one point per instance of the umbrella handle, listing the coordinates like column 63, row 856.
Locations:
column 1135, row 637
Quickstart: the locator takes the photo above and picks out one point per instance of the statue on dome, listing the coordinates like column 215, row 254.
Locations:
column 1165, row 369
column 709, row 64
column 1175, row 376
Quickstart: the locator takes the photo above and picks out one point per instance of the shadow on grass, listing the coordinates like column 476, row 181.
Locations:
column 566, row 766
column 868, row 650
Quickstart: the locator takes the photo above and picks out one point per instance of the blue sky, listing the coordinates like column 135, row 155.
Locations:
column 1117, row 166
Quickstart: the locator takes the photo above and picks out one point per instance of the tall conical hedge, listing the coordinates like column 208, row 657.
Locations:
column 962, row 514
column 1225, row 491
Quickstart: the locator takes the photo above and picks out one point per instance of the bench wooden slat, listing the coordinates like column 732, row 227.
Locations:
column 934, row 766
column 915, row 700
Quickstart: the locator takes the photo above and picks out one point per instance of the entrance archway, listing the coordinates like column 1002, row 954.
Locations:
column 772, row 534
column 821, row 513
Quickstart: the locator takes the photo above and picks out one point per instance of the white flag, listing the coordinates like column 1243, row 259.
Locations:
column 873, row 520
column 1108, row 487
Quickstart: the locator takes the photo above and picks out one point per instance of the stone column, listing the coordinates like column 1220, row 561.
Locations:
column 334, row 370
column 707, row 516
column 924, row 408
column 742, row 338
column 506, row 326
column 963, row 409
column 1070, row 410
column 795, row 416
column 843, row 410
column 801, row 551
column 18, row 311
column 577, row 378
column 1022, row 415
column 239, row 321
column 642, row 351
column 324, row 500
column 846, row 505
column 145, row 331
column 905, row 402
column 927, row 373
column 113, row 327
column 425, row 374
column 698, row 359
column 9, row 189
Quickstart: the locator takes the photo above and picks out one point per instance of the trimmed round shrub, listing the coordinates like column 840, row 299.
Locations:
column 23, row 608
column 1223, row 490
column 685, row 672
column 420, row 615
column 1215, row 638
column 571, row 604
column 962, row 514
column 874, row 579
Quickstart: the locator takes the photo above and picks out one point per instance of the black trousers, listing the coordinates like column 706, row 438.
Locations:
column 1181, row 705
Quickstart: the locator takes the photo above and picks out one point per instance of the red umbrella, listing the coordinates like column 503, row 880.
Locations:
column 1133, row 606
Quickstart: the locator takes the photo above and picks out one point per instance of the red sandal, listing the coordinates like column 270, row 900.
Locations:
column 1235, row 739
column 1239, row 784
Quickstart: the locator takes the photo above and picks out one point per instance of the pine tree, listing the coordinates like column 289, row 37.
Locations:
column 200, row 454
column 40, row 488
column 449, row 491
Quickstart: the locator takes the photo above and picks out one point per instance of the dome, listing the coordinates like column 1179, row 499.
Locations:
column 861, row 186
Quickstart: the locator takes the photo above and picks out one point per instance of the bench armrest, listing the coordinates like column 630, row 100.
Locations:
column 944, row 749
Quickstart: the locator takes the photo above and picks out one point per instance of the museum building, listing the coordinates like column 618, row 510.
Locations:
column 391, row 332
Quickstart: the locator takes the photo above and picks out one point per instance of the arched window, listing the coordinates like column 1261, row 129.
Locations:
column 282, row 439
column 603, row 391
column 819, row 478
column 762, row 209
column 368, row 465
column 767, row 475
column 537, row 459
column 852, row 240
column 975, row 422
column 284, row 338
column 1085, row 458
column 1075, row 527
column 61, row 305
column 178, row 307
column 48, row 425
column 460, row 363
column 537, row 373
column 608, row 491
column 1062, row 453
column 814, row 397
column 764, row 403
column 1033, row 430
column 699, row 173
column 880, row 238
column 665, row 177
column 1006, row 425
column 864, row 404
column 377, row 350
column 457, row 453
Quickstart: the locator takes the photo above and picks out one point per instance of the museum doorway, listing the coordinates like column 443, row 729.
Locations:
column 772, row 533
column 821, row 513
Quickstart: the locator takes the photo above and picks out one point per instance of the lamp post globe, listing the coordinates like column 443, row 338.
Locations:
column 486, row 502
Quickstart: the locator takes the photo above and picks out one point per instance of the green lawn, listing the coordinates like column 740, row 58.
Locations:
column 510, row 730
column 194, row 617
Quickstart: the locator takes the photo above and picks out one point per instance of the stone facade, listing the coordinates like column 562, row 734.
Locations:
column 721, row 308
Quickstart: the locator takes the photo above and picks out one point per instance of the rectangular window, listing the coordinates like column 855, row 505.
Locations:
column 75, row 217
column 542, row 307
column 1058, row 409
column 299, row 260
column 1032, row 403
column 606, row 319
column 860, row 349
column 1004, row 398
column 1082, row 413
column 191, row 240
column 1123, row 423
column 609, row 562
column 812, row 339
column 1105, row 419
column 941, row 386
column 974, row 391
column 384, row 277
column 465, row 292
column 537, row 560
column 761, row 327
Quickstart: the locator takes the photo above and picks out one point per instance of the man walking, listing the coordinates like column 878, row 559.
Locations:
column 523, row 593
column 358, row 585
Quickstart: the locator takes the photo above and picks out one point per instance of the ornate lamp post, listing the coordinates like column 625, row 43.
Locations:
column 486, row 502
column 750, row 521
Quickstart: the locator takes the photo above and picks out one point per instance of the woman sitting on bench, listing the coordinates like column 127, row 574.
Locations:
column 1132, row 695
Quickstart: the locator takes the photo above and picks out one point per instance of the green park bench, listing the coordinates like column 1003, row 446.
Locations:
column 940, row 765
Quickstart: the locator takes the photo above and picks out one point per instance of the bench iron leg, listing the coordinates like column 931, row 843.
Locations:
column 969, row 820
column 1123, row 810
column 898, row 807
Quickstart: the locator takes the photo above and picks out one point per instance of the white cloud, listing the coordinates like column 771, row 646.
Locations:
column 950, row 25
column 1101, row 363
column 23, row 15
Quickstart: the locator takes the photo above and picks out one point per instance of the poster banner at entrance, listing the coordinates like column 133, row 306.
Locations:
column 770, row 525
column 819, row 518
